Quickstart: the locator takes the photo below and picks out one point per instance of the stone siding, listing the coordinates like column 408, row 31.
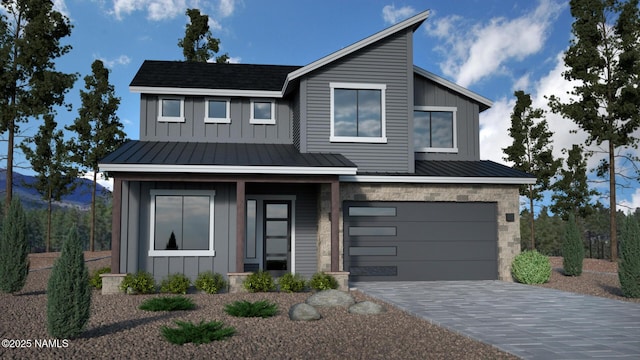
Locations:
column 506, row 197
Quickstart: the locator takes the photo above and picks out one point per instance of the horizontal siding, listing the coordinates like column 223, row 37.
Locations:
column 306, row 232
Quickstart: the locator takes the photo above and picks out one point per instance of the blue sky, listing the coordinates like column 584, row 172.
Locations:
column 492, row 47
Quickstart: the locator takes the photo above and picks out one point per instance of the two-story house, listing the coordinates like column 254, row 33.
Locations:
column 359, row 163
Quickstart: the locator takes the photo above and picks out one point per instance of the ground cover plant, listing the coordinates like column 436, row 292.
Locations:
column 175, row 284
column 292, row 283
column 262, row 308
column 201, row 333
column 95, row 280
column 167, row 303
column 323, row 281
column 140, row 283
column 531, row 267
column 260, row 281
column 210, row 282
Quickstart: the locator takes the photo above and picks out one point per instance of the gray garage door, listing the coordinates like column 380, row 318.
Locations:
column 420, row 241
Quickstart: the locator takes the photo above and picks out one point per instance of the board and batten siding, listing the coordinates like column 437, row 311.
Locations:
column 134, row 236
column 195, row 129
column 388, row 61
column 428, row 93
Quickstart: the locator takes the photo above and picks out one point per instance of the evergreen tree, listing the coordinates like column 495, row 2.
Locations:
column 604, row 61
column 531, row 150
column 30, row 34
column 14, row 249
column 571, row 191
column 98, row 128
column 52, row 163
column 198, row 44
column 68, row 291
column 572, row 249
column 629, row 265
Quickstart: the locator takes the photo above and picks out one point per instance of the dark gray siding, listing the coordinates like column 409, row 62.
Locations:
column 428, row 93
column 195, row 129
column 390, row 62
column 135, row 232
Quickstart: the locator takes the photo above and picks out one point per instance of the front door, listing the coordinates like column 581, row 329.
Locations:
column 277, row 235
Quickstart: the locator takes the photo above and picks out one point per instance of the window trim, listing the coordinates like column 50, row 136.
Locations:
column 382, row 139
column 272, row 121
column 152, row 214
column 451, row 109
column 212, row 120
column 180, row 118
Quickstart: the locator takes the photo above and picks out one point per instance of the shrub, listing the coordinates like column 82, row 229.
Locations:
column 140, row 283
column 322, row 281
column 292, row 283
column 210, row 282
column 260, row 281
column 167, row 303
column 14, row 249
column 572, row 249
column 629, row 265
column 531, row 267
column 175, row 284
column 202, row 333
column 263, row 309
column 68, row 291
column 95, row 280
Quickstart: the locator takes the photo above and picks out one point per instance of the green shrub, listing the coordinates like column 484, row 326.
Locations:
column 629, row 265
column 210, row 282
column 292, row 283
column 68, row 291
column 260, row 281
column 140, row 283
column 263, row 309
column 14, row 249
column 572, row 249
column 167, row 303
column 531, row 267
column 202, row 333
column 175, row 284
column 95, row 280
column 322, row 281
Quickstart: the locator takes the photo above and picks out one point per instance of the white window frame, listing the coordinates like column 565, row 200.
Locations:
column 271, row 121
column 453, row 110
column 212, row 120
column 383, row 110
column 152, row 215
column 171, row 118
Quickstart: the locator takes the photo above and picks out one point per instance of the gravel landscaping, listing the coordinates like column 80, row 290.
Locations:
column 118, row 329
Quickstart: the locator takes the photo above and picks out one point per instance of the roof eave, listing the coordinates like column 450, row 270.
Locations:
column 453, row 86
column 205, row 92
column 228, row 169
column 412, row 179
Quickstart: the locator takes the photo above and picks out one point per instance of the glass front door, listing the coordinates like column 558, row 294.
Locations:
column 277, row 235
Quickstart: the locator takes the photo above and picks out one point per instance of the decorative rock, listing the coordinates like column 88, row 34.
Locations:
column 331, row 298
column 303, row 312
column 367, row 308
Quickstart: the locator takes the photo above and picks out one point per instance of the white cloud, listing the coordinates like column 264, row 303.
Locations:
column 226, row 7
column 478, row 50
column 156, row 9
column 61, row 7
column 631, row 204
column 120, row 60
column 391, row 15
column 235, row 60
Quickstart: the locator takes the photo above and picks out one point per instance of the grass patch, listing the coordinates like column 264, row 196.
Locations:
column 202, row 333
column 167, row 303
column 263, row 309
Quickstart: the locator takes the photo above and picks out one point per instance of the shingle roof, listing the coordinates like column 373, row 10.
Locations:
column 460, row 169
column 196, row 75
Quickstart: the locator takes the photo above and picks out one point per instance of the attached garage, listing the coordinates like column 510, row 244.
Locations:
column 395, row 241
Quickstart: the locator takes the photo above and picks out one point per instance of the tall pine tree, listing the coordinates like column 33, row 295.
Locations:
column 198, row 44
column 604, row 60
column 98, row 129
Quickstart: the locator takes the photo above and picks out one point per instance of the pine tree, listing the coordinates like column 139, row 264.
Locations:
column 629, row 265
column 68, row 291
column 198, row 44
column 14, row 249
column 571, row 191
column 572, row 249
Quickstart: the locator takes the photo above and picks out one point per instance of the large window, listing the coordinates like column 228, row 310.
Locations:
column 217, row 111
column 434, row 129
column 171, row 109
column 181, row 223
column 358, row 112
column 263, row 112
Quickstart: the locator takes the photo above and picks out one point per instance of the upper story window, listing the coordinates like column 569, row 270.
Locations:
column 434, row 129
column 217, row 111
column 358, row 112
column 171, row 109
column 263, row 112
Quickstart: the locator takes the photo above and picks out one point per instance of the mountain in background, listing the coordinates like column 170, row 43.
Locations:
column 79, row 198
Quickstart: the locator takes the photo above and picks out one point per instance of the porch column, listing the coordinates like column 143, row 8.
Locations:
column 335, row 228
column 116, row 210
column 240, row 224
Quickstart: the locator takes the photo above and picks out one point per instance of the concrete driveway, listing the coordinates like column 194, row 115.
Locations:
column 528, row 321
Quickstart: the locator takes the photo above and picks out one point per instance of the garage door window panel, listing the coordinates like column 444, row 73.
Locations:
column 371, row 211
column 372, row 231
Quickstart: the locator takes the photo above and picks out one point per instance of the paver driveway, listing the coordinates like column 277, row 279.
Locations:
column 528, row 321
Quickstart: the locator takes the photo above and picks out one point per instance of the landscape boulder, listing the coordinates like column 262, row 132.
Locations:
column 303, row 312
column 367, row 308
column 331, row 298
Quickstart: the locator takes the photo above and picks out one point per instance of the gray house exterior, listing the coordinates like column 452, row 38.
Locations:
column 360, row 164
